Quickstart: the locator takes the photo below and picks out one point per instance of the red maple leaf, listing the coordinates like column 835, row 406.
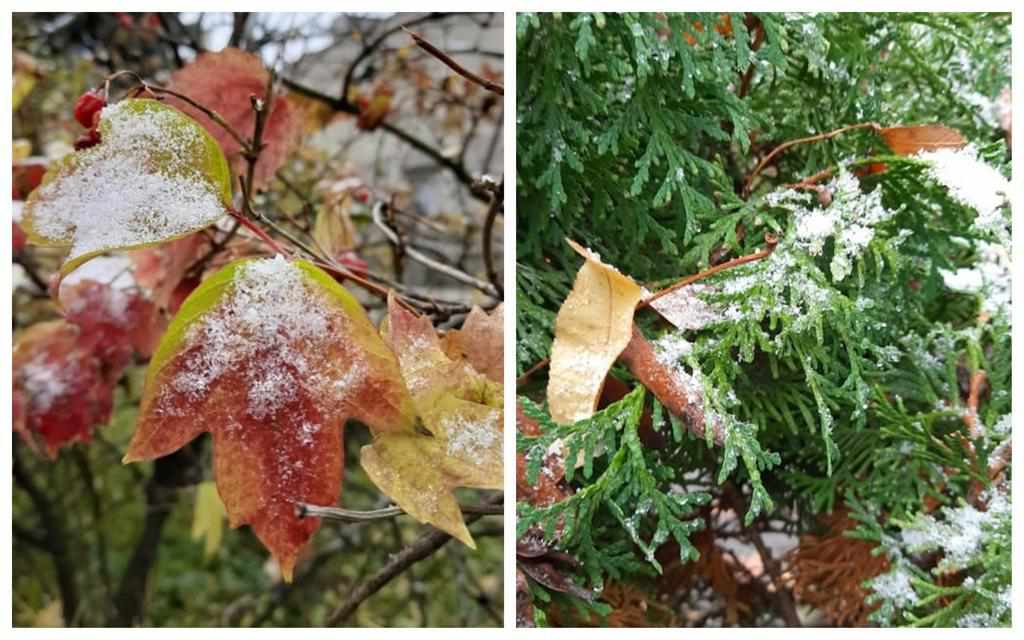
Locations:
column 62, row 390
column 225, row 82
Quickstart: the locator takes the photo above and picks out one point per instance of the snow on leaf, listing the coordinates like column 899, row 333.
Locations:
column 593, row 326
column 62, row 390
column 461, row 412
column 271, row 357
column 685, row 309
column 155, row 176
column 223, row 81
column 480, row 342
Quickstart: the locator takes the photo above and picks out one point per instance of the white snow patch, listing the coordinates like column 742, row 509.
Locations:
column 895, row 587
column 469, row 439
column 972, row 183
column 991, row 277
column 45, row 381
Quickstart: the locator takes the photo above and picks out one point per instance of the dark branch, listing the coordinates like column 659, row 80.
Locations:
column 422, row 548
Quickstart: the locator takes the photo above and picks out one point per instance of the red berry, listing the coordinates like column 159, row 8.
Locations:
column 88, row 106
column 88, row 139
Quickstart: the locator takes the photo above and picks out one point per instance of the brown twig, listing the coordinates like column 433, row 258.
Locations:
column 495, row 207
column 973, row 398
column 260, row 233
column 451, row 272
column 688, row 280
column 748, row 75
column 812, row 180
column 792, row 143
column 448, row 61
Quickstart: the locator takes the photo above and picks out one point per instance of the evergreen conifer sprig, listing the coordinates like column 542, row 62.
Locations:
column 861, row 364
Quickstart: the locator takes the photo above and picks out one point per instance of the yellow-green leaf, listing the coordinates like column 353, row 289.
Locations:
column 208, row 518
column 461, row 413
column 156, row 175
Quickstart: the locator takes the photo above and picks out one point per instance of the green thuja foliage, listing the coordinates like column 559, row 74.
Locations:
column 840, row 365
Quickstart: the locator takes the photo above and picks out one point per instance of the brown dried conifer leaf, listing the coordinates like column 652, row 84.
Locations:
column 593, row 326
column 333, row 229
column 271, row 357
column 462, row 412
column 906, row 141
column 480, row 342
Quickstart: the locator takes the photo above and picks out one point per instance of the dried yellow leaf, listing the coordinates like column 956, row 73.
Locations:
column 593, row 326
column 333, row 230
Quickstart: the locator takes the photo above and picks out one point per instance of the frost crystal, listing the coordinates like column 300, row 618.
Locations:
column 850, row 219
column 116, row 198
column 960, row 535
column 468, row 439
column 895, row 587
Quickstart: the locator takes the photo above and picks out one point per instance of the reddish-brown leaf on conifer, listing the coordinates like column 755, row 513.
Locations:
column 907, row 141
column 271, row 357
column 62, row 390
column 223, row 82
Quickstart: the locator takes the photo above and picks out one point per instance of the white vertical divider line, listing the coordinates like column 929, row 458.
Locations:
column 509, row 273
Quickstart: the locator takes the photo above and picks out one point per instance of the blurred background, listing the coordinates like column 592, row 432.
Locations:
column 376, row 119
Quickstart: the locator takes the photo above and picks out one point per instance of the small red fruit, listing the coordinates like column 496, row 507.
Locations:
column 88, row 106
column 88, row 139
column 361, row 194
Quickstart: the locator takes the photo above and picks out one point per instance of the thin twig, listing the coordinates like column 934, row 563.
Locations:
column 260, row 233
column 303, row 510
column 735, row 262
column 370, row 48
column 451, row 272
column 521, row 380
column 209, row 113
column 973, row 398
column 792, row 143
column 426, row 45
column 495, row 207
